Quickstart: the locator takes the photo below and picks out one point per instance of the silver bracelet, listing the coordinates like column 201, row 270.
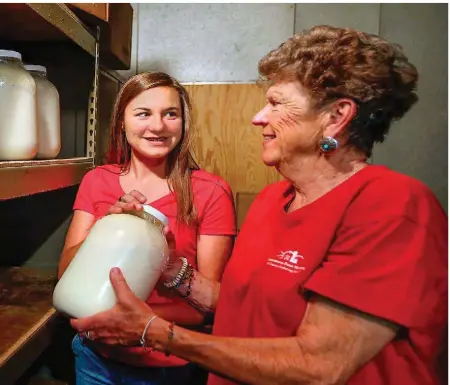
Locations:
column 145, row 332
column 176, row 281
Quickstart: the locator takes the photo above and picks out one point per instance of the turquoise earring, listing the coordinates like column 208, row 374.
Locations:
column 328, row 145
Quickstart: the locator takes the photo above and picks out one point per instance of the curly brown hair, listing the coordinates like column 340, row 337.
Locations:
column 334, row 63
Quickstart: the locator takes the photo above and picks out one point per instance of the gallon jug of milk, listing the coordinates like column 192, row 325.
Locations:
column 48, row 114
column 18, row 114
column 134, row 242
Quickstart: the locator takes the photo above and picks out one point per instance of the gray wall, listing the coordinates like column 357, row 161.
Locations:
column 365, row 17
column 418, row 144
column 223, row 43
column 208, row 42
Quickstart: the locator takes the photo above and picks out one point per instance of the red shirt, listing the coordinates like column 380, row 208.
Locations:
column 376, row 243
column 213, row 200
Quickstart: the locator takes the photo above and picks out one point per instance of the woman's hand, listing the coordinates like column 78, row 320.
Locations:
column 124, row 323
column 128, row 202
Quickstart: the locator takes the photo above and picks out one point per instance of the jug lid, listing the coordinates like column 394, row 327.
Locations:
column 11, row 54
column 156, row 213
column 34, row 67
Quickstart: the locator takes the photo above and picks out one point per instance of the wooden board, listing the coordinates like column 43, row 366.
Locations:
column 243, row 203
column 25, row 314
column 227, row 143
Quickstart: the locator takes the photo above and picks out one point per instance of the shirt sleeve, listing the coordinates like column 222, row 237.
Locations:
column 393, row 268
column 84, row 199
column 219, row 216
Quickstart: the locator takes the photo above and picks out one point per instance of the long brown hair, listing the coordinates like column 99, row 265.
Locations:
column 180, row 162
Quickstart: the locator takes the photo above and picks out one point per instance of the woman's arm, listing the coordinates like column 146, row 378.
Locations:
column 77, row 233
column 330, row 345
column 217, row 229
column 202, row 290
column 213, row 252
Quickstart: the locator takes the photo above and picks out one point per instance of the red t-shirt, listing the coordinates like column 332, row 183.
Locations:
column 376, row 243
column 213, row 200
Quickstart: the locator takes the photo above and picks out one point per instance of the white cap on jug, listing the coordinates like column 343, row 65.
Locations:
column 13, row 54
column 33, row 67
column 156, row 213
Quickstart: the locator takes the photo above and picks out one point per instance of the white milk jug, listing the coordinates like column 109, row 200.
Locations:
column 134, row 242
column 18, row 109
column 48, row 114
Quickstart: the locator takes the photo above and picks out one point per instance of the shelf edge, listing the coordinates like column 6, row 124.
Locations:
column 61, row 17
column 27, row 180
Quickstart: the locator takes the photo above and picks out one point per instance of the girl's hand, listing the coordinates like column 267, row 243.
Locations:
column 173, row 264
column 129, row 202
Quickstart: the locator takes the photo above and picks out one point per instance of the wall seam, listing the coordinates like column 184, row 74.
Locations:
column 137, row 37
column 295, row 19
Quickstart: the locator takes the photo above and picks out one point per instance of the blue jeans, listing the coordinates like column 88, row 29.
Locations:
column 93, row 369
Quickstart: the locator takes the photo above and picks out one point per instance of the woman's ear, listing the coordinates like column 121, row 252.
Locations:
column 340, row 114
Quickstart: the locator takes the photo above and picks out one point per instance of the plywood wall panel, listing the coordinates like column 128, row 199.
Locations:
column 226, row 142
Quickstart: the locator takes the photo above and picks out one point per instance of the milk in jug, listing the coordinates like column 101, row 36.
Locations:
column 134, row 242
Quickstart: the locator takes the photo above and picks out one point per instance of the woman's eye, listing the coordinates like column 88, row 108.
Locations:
column 142, row 114
column 172, row 114
column 274, row 103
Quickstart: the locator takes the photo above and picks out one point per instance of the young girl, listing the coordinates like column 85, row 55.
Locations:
column 150, row 157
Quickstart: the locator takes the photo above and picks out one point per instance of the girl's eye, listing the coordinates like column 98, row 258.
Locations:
column 171, row 114
column 142, row 114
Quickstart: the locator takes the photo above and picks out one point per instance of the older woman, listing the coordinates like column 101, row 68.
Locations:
column 339, row 274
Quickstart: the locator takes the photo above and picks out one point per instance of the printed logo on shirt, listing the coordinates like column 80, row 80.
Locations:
column 287, row 260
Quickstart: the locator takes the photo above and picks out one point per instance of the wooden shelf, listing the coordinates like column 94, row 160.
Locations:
column 22, row 178
column 44, row 22
column 27, row 318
